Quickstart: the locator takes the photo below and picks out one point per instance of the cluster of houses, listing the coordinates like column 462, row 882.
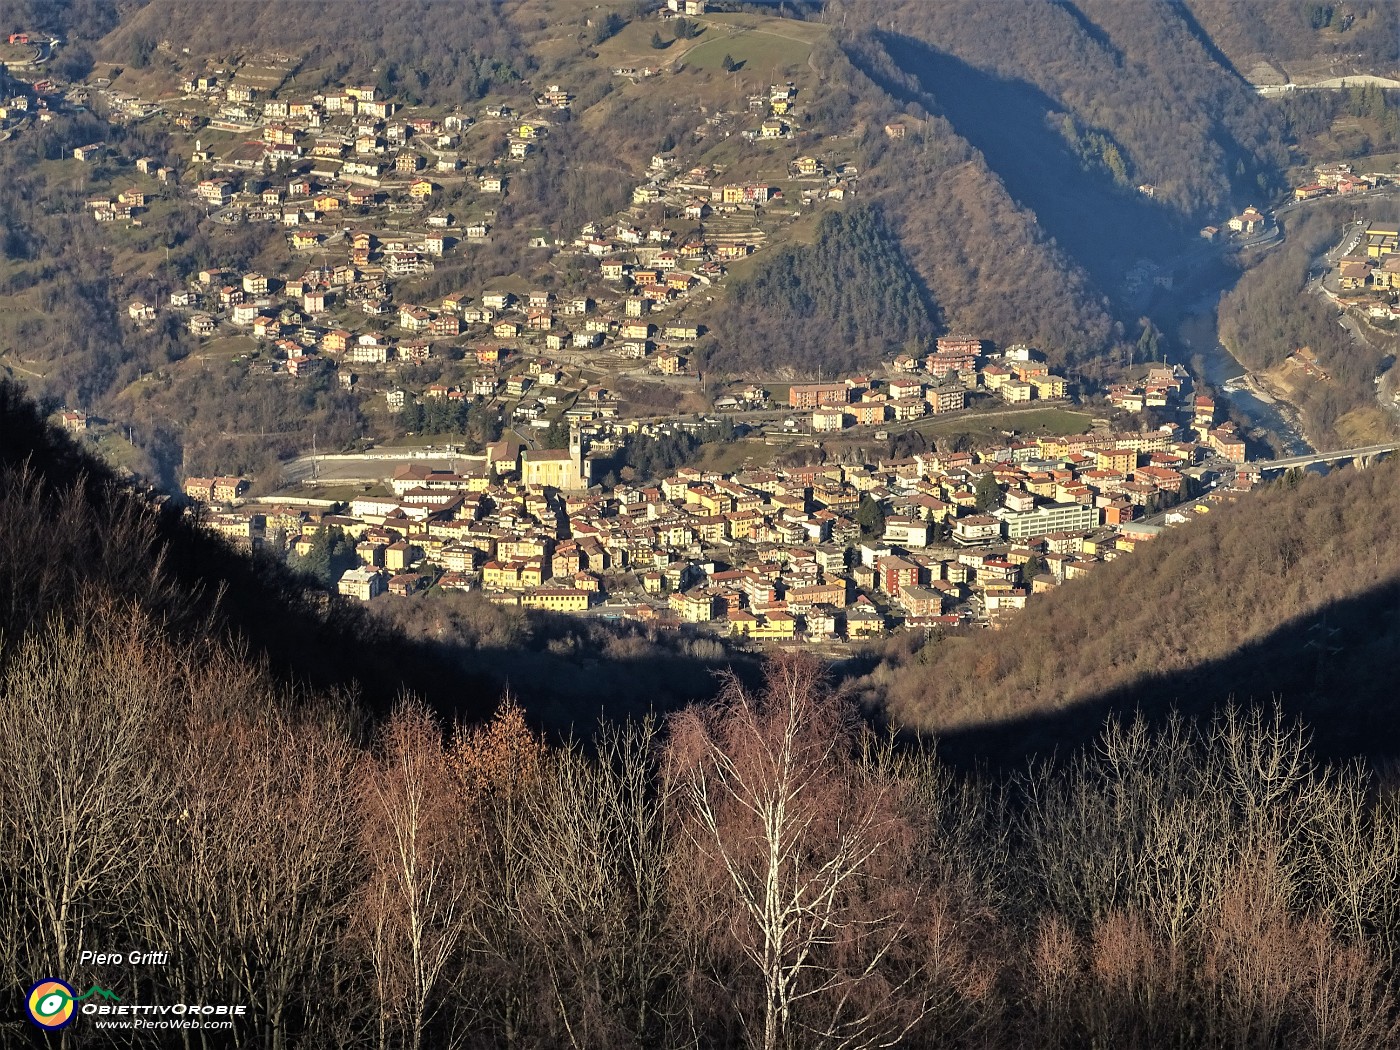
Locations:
column 1337, row 178
column 1369, row 277
column 1247, row 223
column 929, row 385
column 358, row 197
column 774, row 555
column 1168, row 390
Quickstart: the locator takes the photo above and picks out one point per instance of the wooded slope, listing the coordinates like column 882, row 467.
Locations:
column 1291, row 592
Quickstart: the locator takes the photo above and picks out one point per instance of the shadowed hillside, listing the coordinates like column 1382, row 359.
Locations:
column 1138, row 73
column 1094, row 214
column 1293, row 592
column 73, row 537
column 987, row 262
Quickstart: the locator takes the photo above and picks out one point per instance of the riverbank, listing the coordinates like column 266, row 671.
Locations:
column 1260, row 388
column 1272, row 418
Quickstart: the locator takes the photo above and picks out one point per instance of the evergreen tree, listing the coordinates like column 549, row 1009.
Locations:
column 557, row 436
column 839, row 304
column 331, row 553
column 988, row 493
column 870, row 516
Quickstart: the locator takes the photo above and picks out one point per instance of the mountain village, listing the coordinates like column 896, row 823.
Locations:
column 371, row 194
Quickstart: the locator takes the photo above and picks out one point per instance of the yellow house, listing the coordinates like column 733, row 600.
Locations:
column 495, row 576
column 694, row 606
column 1387, row 275
column 532, row 573
column 806, row 165
column 1382, row 240
column 421, row 188
column 742, row 623
column 776, row 627
column 527, row 131
column 1121, row 460
column 304, row 240
column 562, row 599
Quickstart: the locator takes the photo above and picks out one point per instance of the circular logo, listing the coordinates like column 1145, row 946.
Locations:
column 50, row 1003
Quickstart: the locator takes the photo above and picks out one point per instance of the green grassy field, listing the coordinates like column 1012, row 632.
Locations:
column 119, row 452
column 778, row 392
column 990, row 426
column 339, row 493
column 226, row 348
column 731, row 456
column 754, row 52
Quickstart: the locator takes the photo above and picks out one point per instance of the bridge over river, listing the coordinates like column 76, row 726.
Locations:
column 1361, row 457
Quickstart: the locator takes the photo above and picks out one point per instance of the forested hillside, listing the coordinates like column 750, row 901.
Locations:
column 840, row 304
column 987, row 262
column 1134, row 73
column 1292, row 593
column 1327, row 37
column 1271, row 312
column 84, row 20
column 433, row 52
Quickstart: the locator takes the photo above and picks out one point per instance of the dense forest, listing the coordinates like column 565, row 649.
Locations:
column 1352, row 35
column 839, row 304
column 85, row 20
column 987, row 262
column 1350, row 124
column 1290, row 593
column 759, row 872
column 1136, row 72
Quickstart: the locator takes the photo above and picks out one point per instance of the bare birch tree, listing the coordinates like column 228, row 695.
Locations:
column 593, row 903
column 789, row 843
column 415, row 903
column 77, row 703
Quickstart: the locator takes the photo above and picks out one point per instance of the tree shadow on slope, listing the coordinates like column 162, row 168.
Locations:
column 73, row 536
column 1105, row 225
column 1332, row 668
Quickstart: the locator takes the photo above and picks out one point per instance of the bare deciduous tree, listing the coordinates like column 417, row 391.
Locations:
column 78, row 703
column 788, row 844
column 414, row 906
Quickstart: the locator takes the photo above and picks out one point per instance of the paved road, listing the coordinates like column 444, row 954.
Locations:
column 1318, row 285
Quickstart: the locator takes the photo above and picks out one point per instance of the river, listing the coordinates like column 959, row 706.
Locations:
column 1196, row 330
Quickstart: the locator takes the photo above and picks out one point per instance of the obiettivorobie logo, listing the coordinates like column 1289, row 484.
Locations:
column 51, row 1003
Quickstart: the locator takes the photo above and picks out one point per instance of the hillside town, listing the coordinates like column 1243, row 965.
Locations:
column 371, row 196
column 816, row 553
